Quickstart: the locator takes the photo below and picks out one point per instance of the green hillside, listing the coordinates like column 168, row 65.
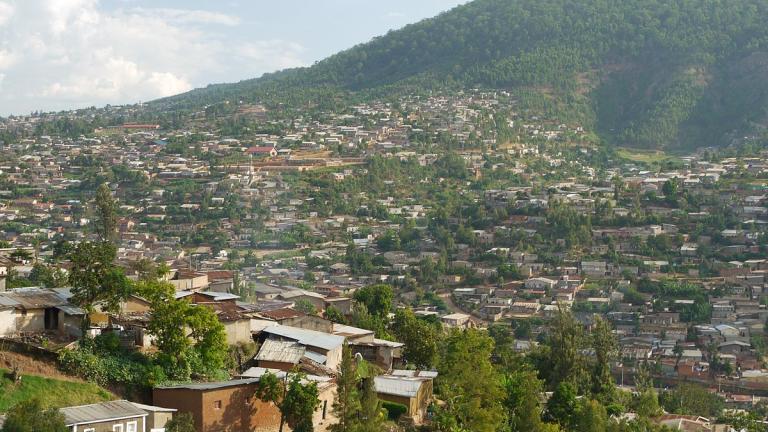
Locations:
column 52, row 392
column 644, row 73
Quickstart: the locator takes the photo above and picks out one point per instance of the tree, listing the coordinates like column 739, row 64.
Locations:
column 347, row 403
column 106, row 214
column 95, row 279
column 209, row 336
column 333, row 314
column 166, row 324
column 305, row 306
column 371, row 417
column 565, row 342
column 32, row 416
column 561, row 407
column 376, row 298
column 591, row 417
column 469, row 384
column 605, row 347
column 691, row 399
column 181, row 422
column 47, row 276
column 522, row 401
column 647, row 404
column 420, row 338
column 295, row 400
column 187, row 336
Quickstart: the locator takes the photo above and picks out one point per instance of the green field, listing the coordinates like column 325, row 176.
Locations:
column 52, row 392
column 645, row 156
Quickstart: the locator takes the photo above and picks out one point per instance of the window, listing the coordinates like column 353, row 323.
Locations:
column 117, row 428
column 217, row 404
column 131, row 427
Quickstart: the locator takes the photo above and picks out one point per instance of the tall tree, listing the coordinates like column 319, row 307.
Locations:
column 106, row 214
column 561, row 407
column 565, row 341
column 522, row 401
column 347, row 402
column 95, row 279
column 469, row 383
column 605, row 347
column 31, row 416
column 371, row 417
column 591, row 417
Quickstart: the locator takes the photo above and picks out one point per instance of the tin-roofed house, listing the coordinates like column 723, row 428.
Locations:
column 114, row 416
column 38, row 310
column 410, row 388
column 320, row 347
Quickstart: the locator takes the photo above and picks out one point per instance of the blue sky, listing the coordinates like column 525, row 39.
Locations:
column 65, row 54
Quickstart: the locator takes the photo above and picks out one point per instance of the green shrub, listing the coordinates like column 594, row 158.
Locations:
column 394, row 410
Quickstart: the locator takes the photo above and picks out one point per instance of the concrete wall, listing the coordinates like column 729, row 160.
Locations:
column 7, row 322
column 309, row 322
column 231, row 409
column 238, row 331
column 157, row 420
column 70, row 325
column 32, row 321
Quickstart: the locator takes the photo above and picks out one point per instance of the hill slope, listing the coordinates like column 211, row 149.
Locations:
column 644, row 73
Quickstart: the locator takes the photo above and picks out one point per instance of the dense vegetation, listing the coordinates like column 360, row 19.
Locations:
column 645, row 73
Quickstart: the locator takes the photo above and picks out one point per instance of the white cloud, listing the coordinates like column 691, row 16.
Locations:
column 6, row 12
column 62, row 54
column 184, row 16
column 7, row 59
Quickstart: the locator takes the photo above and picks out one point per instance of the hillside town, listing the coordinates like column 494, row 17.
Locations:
column 313, row 235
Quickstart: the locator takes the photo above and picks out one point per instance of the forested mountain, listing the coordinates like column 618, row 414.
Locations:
column 644, row 73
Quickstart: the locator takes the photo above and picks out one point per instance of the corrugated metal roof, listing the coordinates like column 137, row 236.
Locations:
column 33, row 298
column 101, row 412
column 280, row 351
column 213, row 385
column 150, row 408
column 315, row 357
column 219, row 296
column 414, row 373
column 398, row 386
column 71, row 310
column 306, row 337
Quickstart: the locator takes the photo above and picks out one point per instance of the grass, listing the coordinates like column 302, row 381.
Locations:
column 645, row 156
column 51, row 392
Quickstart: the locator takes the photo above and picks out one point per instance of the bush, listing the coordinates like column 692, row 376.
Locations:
column 394, row 410
column 132, row 370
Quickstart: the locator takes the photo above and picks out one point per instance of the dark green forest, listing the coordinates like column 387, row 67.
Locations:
column 673, row 74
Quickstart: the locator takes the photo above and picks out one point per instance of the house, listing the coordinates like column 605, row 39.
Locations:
column 413, row 389
column 220, row 406
column 262, row 151
column 232, row 406
column 320, row 347
column 38, row 310
column 114, row 416
column 313, row 298
column 157, row 417
column 456, row 320
column 280, row 355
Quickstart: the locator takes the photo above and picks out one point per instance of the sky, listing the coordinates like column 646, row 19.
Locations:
column 67, row 54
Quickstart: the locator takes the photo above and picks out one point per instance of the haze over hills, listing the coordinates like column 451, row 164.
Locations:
column 644, row 73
